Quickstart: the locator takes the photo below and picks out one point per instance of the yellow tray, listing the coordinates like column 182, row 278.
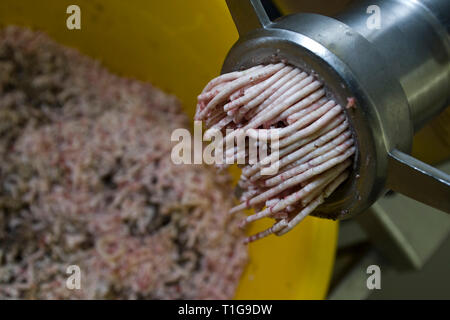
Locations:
column 179, row 45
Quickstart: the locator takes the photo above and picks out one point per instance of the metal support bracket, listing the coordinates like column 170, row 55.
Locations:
column 248, row 15
column 418, row 180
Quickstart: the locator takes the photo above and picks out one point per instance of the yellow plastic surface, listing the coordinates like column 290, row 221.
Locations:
column 179, row 45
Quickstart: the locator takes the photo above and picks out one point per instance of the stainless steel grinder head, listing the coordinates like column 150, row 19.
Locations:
column 396, row 80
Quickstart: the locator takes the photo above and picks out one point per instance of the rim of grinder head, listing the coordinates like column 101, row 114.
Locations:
column 350, row 68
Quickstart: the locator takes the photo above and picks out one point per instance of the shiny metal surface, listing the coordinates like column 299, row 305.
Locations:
column 248, row 15
column 418, row 180
column 354, row 62
column 414, row 41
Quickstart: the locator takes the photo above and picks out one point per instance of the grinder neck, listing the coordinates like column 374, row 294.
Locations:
column 414, row 39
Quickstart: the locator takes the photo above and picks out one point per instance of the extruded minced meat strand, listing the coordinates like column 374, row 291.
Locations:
column 316, row 145
column 332, row 129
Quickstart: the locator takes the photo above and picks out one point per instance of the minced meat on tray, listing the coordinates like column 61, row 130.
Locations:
column 86, row 179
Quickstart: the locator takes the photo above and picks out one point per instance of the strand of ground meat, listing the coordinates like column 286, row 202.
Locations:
column 316, row 146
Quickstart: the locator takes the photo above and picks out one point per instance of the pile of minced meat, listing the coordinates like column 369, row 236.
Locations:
column 86, row 179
